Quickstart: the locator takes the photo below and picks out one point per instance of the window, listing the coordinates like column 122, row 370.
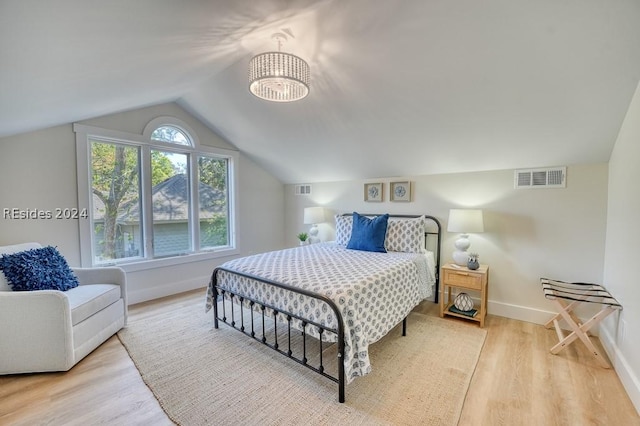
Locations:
column 170, row 203
column 115, row 209
column 156, row 197
column 213, row 178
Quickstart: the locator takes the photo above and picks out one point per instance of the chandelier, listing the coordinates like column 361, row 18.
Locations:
column 278, row 76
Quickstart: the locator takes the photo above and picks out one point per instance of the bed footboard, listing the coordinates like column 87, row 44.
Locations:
column 234, row 316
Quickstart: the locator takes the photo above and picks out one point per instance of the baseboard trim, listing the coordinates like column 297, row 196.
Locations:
column 523, row 313
column 156, row 292
column 624, row 371
column 518, row 312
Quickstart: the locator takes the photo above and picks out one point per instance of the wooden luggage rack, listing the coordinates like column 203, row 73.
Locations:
column 566, row 296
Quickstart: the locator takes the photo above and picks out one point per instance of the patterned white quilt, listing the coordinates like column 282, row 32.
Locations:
column 374, row 291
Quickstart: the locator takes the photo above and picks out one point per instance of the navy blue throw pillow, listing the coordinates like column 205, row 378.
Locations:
column 368, row 234
column 38, row 269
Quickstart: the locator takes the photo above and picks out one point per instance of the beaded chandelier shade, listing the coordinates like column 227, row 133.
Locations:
column 278, row 76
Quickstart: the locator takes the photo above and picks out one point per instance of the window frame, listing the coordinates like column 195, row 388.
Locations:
column 84, row 135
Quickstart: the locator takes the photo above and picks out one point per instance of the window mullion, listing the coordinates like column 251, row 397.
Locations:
column 83, row 161
column 195, row 202
column 232, row 181
column 147, row 206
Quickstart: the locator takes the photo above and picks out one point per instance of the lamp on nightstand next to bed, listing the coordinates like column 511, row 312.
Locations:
column 313, row 216
column 464, row 221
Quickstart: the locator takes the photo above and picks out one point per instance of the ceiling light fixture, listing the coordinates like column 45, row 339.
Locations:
column 278, row 76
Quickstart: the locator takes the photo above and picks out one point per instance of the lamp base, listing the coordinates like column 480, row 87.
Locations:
column 460, row 255
column 313, row 234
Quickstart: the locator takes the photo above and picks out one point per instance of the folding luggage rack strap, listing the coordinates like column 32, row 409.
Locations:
column 566, row 297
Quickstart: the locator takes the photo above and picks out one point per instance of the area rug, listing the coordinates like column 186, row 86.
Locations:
column 201, row 375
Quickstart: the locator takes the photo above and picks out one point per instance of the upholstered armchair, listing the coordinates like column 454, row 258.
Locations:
column 52, row 330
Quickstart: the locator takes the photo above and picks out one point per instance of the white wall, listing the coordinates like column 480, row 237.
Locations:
column 558, row 233
column 620, row 332
column 38, row 171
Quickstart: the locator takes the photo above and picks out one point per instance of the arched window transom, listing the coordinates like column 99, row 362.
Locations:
column 171, row 134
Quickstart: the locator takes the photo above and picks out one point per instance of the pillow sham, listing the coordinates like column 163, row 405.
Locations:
column 343, row 229
column 38, row 269
column 405, row 235
column 368, row 234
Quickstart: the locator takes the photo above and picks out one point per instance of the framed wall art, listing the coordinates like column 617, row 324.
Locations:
column 400, row 191
column 373, row 192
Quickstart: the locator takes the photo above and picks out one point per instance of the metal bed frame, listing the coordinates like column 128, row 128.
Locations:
column 259, row 308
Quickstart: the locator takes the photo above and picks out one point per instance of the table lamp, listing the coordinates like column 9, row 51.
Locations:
column 313, row 216
column 464, row 221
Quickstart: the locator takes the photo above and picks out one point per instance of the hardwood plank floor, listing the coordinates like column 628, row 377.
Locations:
column 517, row 382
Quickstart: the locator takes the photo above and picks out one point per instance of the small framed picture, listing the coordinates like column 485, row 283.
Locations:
column 373, row 192
column 400, row 191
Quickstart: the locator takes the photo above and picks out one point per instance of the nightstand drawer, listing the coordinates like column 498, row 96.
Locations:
column 463, row 278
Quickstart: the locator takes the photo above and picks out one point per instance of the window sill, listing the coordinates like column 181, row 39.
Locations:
column 144, row 265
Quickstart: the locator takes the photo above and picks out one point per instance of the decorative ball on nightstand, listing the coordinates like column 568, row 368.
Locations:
column 463, row 302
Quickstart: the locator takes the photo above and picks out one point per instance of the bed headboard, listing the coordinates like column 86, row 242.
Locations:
column 432, row 238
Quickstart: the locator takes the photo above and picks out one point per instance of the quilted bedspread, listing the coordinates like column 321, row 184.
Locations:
column 374, row 291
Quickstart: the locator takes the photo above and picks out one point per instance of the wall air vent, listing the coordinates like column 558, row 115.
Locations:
column 303, row 189
column 548, row 177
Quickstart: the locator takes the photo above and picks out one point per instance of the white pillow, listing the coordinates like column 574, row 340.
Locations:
column 405, row 235
column 344, row 224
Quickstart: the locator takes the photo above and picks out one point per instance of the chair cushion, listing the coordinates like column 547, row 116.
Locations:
column 38, row 269
column 86, row 300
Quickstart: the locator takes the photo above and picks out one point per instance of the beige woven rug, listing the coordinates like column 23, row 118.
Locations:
column 205, row 376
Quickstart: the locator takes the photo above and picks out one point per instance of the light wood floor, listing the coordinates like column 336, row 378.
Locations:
column 517, row 382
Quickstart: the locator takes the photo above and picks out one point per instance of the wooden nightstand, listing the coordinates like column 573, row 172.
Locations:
column 466, row 279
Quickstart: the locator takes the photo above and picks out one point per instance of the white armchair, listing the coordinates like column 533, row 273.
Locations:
column 51, row 330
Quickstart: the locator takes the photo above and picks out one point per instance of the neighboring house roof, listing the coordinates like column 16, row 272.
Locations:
column 170, row 202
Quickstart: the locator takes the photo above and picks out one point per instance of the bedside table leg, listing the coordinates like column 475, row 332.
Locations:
column 485, row 298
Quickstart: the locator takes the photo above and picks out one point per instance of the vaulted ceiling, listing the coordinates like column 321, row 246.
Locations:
column 398, row 87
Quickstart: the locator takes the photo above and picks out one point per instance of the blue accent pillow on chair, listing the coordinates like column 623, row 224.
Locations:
column 368, row 234
column 38, row 269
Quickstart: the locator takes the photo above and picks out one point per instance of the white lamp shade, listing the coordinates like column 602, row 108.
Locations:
column 313, row 215
column 465, row 221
